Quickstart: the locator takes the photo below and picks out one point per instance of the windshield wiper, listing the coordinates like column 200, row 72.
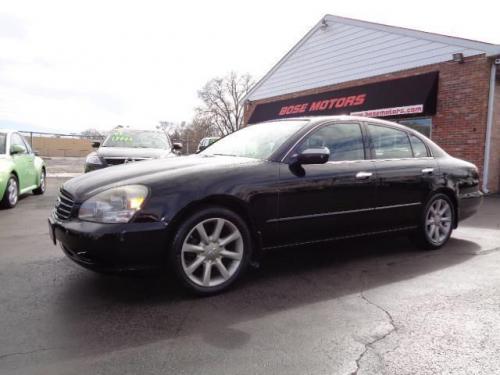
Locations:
column 223, row 154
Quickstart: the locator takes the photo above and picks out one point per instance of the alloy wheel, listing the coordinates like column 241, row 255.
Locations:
column 12, row 191
column 42, row 181
column 438, row 223
column 212, row 252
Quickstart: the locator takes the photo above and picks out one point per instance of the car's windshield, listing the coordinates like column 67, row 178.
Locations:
column 137, row 139
column 3, row 141
column 256, row 141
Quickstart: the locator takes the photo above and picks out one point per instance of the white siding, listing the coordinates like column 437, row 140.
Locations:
column 352, row 50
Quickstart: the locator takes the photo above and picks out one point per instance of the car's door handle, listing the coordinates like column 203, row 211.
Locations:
column 427, row 170
column 363, row 175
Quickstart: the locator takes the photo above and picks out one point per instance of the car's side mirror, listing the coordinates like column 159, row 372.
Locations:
column 96, row 144
column 177, row 146
column 36, row 152
column 17, row 149
column 201, row 148
column 313, row 156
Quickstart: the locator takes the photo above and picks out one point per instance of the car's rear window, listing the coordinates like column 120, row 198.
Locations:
column 390, row 143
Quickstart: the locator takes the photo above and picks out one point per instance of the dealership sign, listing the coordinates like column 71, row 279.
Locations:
column 411, row 96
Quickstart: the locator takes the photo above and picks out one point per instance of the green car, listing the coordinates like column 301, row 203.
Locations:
column 21, row 170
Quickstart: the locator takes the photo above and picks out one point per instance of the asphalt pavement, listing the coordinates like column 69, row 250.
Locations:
column 358, row 307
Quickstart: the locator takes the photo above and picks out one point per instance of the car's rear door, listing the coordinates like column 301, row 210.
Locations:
column 405, row 176
column 328, row 200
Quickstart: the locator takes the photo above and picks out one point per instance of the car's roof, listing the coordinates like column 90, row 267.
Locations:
column 320, row 119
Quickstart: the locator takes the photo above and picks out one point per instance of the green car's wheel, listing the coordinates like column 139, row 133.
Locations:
column 11, row 194
column 43, row 183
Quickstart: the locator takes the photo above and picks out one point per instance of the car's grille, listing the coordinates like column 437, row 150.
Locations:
column 64, row 205
column 116, row 161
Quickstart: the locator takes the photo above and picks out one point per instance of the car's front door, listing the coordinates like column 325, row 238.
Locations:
column 21, row 161
column 405, row 175
column 32, row 171
column 330, row 200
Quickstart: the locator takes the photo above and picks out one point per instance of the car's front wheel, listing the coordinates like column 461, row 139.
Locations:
column 211, row 249
column 436, row 222
column 11, row 194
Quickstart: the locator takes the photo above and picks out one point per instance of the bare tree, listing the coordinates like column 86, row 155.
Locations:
column 189, row 134
column 222, row 102
column 93, row 134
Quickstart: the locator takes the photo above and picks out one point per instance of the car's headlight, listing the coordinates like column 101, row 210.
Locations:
column 93, row 159
column 116, row 205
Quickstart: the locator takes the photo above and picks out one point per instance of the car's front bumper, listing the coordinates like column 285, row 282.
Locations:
column 109, row 247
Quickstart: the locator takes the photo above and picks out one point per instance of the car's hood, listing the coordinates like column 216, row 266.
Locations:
column 133, row 152
column 151, row 172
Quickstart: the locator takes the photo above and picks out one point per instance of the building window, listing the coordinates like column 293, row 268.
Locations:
column 422, row 125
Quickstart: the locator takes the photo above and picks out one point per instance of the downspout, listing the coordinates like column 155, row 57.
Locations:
column 489, row 126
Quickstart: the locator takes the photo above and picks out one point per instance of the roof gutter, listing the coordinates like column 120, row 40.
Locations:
column 489, row 126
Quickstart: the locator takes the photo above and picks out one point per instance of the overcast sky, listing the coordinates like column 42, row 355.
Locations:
column 72, row 65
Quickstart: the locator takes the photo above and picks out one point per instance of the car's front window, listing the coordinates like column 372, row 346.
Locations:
column 344, row 141
column 137, row 139
column 3, row 141
column 256, row 141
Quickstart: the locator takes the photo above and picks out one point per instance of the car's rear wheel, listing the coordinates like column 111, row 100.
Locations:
column 43, row 183
column 436, row 222
column 11, row 194
column 211, row 249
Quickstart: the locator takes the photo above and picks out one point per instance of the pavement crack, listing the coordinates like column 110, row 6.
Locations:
column 370, row 345
column 183, row 321
column 7, row 355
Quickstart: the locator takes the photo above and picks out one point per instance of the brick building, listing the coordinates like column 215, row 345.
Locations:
column 448, row 88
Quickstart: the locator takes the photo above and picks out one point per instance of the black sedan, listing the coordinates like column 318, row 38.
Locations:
column 266, row 186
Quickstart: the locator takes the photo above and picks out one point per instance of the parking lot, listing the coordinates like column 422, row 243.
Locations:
column 372, row 306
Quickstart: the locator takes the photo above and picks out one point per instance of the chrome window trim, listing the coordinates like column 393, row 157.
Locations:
column 347, row 161
column 395, row 159
column 313, row 216
column 376, row 160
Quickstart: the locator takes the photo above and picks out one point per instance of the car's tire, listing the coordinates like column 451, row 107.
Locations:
column 208, row 263
column 11, row 194
column 43, row 183
column 436, row 223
